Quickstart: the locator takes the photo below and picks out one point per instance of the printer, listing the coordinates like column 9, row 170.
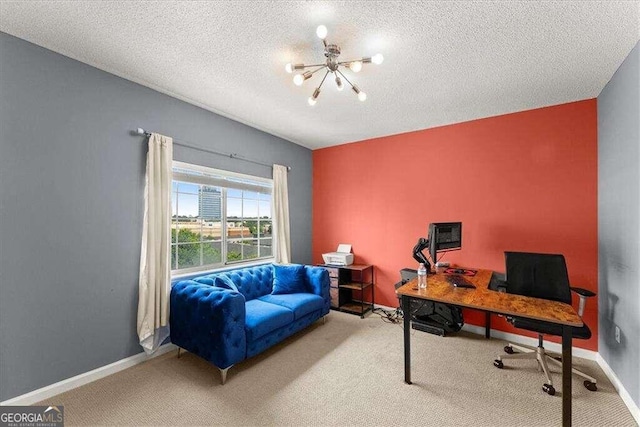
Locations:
column 342, row 256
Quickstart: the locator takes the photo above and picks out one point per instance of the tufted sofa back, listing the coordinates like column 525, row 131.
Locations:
column 252, row 282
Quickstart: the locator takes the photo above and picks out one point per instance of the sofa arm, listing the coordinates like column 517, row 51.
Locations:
column 318, row 279
column 209, row 322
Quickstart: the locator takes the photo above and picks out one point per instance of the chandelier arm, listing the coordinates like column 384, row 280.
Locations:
column 353, row 60
column 325, row 76
column 344, row 77
column 318, row 69
column 314, row 65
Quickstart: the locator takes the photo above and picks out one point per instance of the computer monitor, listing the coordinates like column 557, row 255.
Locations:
column 444, row 236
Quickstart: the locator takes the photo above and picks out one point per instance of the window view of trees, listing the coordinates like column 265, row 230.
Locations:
column 197, row 235
column 192, row 252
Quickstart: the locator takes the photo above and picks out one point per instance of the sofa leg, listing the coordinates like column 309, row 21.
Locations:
column 223, row 374
column 324, row 320
column 179, row 350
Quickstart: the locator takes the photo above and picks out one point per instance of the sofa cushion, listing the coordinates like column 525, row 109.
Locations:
column 300, row 304
column 263, row 317
column 219, row 280
column 252, row 282
column 205, row 280
column 289, row 279
column 223, row 281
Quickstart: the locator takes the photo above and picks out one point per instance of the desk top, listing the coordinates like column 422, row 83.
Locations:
column 481, row 298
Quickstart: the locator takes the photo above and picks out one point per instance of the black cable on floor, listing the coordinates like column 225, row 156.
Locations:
column 389, row 316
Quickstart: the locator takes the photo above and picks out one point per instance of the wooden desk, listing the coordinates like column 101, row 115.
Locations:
column 481, row 298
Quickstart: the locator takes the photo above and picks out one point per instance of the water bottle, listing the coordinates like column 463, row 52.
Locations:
column 422, row 277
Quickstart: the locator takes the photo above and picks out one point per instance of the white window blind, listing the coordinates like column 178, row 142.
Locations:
column 206, row 176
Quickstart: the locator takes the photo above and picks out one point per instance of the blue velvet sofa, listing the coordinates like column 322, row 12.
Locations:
column 229, row 316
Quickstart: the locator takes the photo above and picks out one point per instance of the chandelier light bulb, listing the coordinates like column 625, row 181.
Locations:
column 339, row 84
column 377, row 58
column 321, row 32
column 361, row 95
column 298, row 79
column 289, row 68
column 312, row 98
column 356, row 66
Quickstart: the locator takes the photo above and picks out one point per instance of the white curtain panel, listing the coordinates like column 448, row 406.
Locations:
column 282, row 242
column 155, row 266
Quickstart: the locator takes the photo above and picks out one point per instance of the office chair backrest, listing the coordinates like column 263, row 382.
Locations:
column 538, row 275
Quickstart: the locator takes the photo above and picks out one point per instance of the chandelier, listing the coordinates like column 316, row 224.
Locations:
column 332, row 65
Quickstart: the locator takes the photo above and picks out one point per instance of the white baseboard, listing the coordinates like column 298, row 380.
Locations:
column 385, row 307
column 82, row 379
column 531, row 342
column 519, row 339
column 576, row 351
column 626, row 398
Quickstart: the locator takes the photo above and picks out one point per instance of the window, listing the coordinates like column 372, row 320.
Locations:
column 218, row 218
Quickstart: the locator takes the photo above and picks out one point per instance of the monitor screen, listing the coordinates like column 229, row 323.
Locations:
column 444, row 236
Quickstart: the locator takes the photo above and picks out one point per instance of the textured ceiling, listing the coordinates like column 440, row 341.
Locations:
column 445, row 62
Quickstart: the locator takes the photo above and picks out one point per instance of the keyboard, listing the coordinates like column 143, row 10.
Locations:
column 460, row 282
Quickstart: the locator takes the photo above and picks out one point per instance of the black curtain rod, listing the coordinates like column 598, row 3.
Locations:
column 140, row 131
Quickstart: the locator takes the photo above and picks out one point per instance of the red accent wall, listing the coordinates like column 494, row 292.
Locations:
column 525, row 182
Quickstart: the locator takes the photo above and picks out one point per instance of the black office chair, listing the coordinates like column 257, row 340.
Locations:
column 542, row 276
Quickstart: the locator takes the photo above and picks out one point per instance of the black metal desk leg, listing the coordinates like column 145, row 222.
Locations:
column 406, row 314
column 566, row 375
column 487, row 325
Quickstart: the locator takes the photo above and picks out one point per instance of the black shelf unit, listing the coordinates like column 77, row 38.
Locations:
column 352, row 288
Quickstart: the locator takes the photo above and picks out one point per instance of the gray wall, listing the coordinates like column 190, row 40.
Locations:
column 71, row 205
column 619, row 222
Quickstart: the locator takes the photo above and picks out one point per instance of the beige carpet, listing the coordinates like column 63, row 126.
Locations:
column 346, row 372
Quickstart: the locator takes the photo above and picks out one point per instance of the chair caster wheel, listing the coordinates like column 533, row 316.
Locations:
column 590, row 386
column 548, row 388
column 498, row 364
column 508, row 349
